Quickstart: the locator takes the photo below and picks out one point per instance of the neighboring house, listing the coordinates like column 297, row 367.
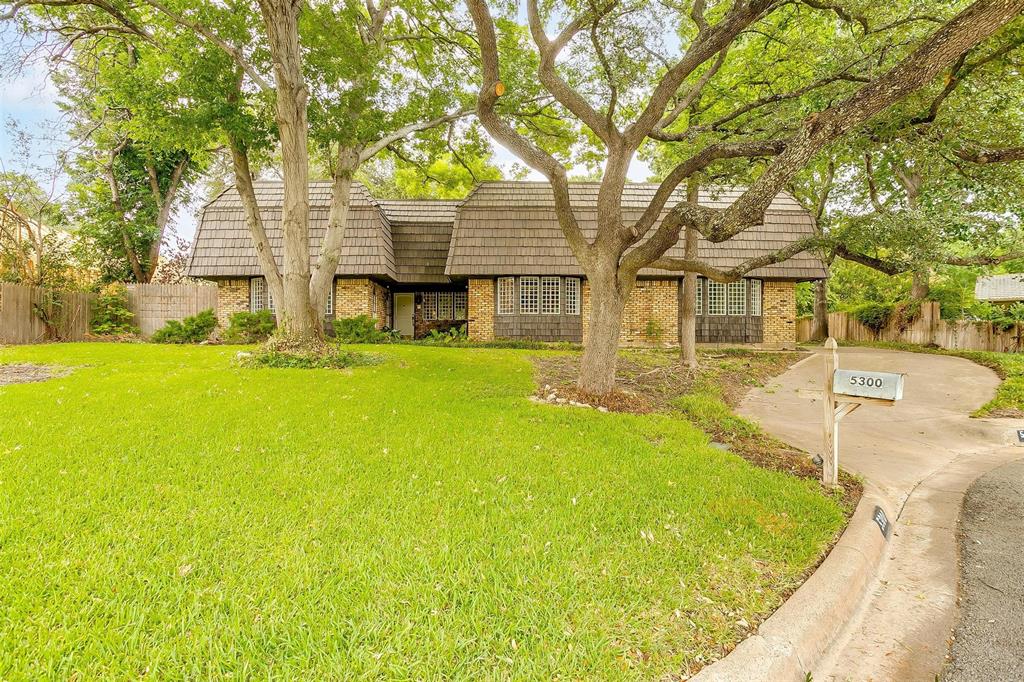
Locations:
column 497, row 262
column 1000, row 289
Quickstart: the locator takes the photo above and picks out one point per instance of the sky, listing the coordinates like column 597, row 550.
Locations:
column 28, row 98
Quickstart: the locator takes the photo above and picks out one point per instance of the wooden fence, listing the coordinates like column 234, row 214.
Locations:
column 37, row 314
column 154, row 304
column 928, row 329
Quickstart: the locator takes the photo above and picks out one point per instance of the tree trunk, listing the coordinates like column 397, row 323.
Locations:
column 299, row 323
column 607, row 301
column 688, row 326
column 819, row 327
column 920, row 285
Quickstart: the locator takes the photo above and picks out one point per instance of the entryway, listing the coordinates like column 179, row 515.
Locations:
column 405, row 304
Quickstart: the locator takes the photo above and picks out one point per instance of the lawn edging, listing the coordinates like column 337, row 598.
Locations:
column 794, row 640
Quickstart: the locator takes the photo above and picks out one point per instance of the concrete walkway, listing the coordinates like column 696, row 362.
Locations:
column 921, row 455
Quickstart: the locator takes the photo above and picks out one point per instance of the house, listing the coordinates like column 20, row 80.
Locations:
column 497, row 262
column 1000, row 289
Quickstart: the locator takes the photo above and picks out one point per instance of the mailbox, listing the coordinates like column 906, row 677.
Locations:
column 880, row 385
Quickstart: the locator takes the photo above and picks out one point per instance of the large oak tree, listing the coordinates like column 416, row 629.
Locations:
column 602, row 64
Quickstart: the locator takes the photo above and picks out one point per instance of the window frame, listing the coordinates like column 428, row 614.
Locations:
column 714, row 287
column 573, row 300
column 444, row 297
column 732, row 289
column 329, row 308
column 699, row 304
column 533, row 308
column 545, row 290
column 506, row 294
column 460, row 298
column 257, row 294
column 756, row 301
column 429, row 305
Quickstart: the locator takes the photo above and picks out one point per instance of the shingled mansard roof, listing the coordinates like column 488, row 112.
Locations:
column 501, row 228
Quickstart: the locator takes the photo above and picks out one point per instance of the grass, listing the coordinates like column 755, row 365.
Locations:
column 1009, row 398
column 165, row 513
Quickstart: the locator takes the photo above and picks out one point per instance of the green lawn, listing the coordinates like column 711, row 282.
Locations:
column 164, row 514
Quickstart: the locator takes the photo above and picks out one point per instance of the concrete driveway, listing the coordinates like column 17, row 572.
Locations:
column 921, row 455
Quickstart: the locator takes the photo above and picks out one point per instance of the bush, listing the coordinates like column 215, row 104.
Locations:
column 110, row 313
column 455, row 335
column 334, row 358
column 361, row 329
column 246, row 327
column 194, row 329
column 874, row 316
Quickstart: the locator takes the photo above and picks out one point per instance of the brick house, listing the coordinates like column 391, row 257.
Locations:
column 498, row 263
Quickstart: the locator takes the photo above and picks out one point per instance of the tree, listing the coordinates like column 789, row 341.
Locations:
column 346, row 81
column 644, row 98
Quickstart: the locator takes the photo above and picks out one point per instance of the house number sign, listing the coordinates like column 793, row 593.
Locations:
column 855, row 382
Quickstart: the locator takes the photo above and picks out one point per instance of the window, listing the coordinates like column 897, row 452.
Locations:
column 529, row 295
column 550, row 295
column 716, row 298
column 700, row 296
column 506, row 295
column 257, row 294
column 460, row 305
column 429, row 305
column 738, row 297
column 755, row 297
column 444, row 306
column 572, row 296
column 330, row 299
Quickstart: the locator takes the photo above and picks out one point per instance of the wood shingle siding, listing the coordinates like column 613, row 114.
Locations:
column 511, row 228
column 538, row 326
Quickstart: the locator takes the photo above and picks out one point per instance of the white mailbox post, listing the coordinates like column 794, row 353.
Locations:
column 845, row 391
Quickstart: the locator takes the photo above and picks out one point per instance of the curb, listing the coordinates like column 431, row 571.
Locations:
column 794, row 639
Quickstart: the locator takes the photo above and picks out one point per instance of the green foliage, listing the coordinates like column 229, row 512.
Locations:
column 361, row 329
column 193, row 329
column 455, row 335
column 256, row 506
column 653, row 331
column 874, row 316
column 331, row 358
column 110, row 313
column 247, row 327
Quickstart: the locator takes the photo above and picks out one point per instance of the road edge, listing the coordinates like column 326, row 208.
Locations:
column 794, row 639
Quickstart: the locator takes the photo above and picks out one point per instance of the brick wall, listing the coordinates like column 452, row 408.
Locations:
column 352, row 297
column 232, row 297
column 481, row 309
column 779, row 314
column 651, row 315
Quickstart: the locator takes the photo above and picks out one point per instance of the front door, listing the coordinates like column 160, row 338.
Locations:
column 404, row 305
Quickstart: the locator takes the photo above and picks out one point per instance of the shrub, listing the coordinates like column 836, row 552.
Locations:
column 455, row 335
column 194, row 329
column 110, row 313
column 874, row 316
column 246, row 327
column 334, row 358
column 361, row 329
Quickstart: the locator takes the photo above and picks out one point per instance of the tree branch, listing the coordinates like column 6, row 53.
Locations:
column 372, row 150
column 734, row 273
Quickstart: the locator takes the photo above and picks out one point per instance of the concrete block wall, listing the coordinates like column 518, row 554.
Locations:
column 779, row 314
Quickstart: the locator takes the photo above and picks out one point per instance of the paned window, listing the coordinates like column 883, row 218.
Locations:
column 460, row 305
column 572, row 296
column 444, row 305
column 429, row 305
column 550, row 296
column 506, row 295
column 738, row 297
column 529, row 295
column 257, row 294
column 330, row 300
column 700, row 296
column 716, row 298
column 755, row 297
